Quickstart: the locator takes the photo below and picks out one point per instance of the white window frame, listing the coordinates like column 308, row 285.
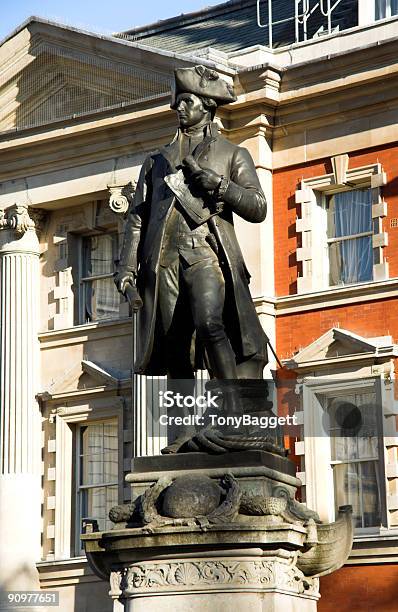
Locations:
column 340, row 239
column 312, row 225
column 66, row 418
column 319, row 484
column 79, row 489
column 84, row 280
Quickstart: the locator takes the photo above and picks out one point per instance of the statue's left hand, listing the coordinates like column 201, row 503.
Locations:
column 206, row 179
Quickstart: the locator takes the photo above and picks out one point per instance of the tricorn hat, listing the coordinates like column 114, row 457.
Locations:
column 202, row 81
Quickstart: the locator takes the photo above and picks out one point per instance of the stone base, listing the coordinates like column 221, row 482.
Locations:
column 254, row 582
column 222, row 602
column 258, row 472
column 178, row 548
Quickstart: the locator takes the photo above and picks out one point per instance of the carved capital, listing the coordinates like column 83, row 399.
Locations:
column 17, row 218
column 120, row 197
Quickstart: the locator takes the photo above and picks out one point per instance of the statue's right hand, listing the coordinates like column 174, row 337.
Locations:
column 125, row 283
column 122, row 279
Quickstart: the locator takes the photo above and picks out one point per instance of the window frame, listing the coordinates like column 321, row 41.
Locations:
column 79, row 488
column 311, row 227
column 83, row 280
column 319, row 480
column 383, row 6
column 67, row 418
column 325, row 203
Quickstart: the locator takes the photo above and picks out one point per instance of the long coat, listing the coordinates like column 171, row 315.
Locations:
column 144, row 236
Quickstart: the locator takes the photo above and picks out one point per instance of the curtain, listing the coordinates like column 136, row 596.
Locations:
column 350, row 260
column 356, row 473
column 101, row 297
column 382, row 8
column 99, row 466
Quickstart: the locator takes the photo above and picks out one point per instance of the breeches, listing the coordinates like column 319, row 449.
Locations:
column 191, row 297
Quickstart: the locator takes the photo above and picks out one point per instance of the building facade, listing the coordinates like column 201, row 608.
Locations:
column 317, row 108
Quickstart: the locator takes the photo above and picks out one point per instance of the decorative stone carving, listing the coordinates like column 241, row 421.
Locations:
column 3, row 219
column 115, row 580
column 17, row 218
column 153, row 507
column 228, row 511
column 121, row 513
column 148, row 510
column 258, row 505
column 296, row 509
column 191, row 495
column 333, row 545
column 120, row 197
column 276, row 572
column 39, row 218
column 324, row 546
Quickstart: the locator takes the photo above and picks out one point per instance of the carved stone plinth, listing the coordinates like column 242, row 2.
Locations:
column 211, row 534
column 214, row 569
column 216, row 583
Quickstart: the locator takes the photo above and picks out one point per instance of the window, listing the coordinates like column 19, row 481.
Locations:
column 354, row 440
column 340, row 229
column 349, row 237
column 386, row 8
column 97, row 477
column 99, row 296
column 343, row 454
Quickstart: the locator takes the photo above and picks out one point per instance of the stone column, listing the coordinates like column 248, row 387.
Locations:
column 20, row 424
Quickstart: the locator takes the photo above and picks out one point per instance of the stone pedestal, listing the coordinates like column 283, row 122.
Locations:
column 20, row 424
column 249, row 581
column 258, row 472
column 214, row 570
column 214, row 534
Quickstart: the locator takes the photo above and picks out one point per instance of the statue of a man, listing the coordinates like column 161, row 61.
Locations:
column 180, row 249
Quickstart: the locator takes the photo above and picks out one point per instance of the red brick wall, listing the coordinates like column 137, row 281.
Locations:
column 295, row 331
column 360, row 588
column 285, row 183
column 367, row 319
column 368, row 588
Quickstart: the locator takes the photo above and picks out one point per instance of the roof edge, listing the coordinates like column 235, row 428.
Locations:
column 183, row 19
column 229, row 70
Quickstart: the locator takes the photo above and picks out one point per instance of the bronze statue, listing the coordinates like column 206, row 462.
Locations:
column 180, row 250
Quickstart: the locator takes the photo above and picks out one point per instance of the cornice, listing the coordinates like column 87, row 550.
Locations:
column 84, row 142
column 102, row 137
column 334, row 297
column 294, row 99
column 82, row 333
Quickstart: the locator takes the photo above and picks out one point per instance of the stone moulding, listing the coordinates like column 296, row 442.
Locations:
column 276, row 573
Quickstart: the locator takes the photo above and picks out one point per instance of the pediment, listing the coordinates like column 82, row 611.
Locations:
column 52, row 73
column 339, row 345
column 85, row 376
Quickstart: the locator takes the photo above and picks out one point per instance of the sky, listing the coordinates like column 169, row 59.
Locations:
column 100, row 16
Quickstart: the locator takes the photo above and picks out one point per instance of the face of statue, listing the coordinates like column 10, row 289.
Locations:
column 190, row 110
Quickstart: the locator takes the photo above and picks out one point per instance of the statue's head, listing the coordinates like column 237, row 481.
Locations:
column 193, row 110
column 198, row 92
